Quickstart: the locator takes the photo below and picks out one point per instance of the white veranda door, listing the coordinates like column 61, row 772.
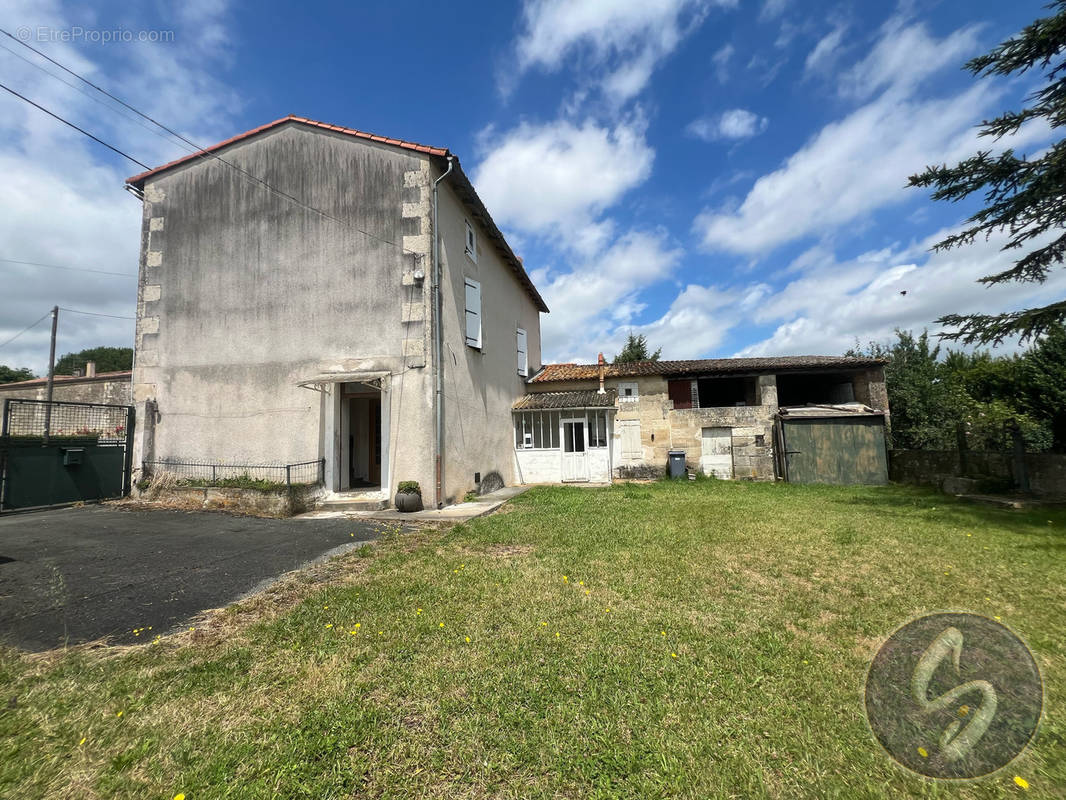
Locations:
column 717, row 454
column 575, row 457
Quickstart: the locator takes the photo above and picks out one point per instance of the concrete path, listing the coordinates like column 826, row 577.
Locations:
column 77, row 574
column 459, row 512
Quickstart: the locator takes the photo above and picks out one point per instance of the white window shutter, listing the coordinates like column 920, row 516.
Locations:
column 523, row 358
column 473, row 313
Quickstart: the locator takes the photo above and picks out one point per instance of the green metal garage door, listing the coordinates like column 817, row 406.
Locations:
column 838, row 450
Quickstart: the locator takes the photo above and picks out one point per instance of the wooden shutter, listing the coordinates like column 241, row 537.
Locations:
column 523, row 359
column 473, row 313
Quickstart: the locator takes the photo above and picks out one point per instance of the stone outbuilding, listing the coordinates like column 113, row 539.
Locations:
column 731, row 417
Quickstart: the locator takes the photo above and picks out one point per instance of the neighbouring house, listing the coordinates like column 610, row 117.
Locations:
column 313, row 292
column 90, row 386
column 799, row 418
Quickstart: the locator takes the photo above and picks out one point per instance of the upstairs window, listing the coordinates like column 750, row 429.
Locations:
column 627, row 392
column 471, row 242
column 473, row 313
column 523, row 358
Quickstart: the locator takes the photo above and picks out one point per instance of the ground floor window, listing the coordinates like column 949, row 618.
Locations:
column 541, row 430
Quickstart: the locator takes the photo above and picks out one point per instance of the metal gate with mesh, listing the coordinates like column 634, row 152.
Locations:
column 60, row 453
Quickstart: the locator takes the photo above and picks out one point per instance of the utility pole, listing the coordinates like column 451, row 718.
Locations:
column 51, row 375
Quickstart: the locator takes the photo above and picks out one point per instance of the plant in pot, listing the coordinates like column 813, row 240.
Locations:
column 408, row 496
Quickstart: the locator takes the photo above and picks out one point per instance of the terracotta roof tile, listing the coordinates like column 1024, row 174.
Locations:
column 706, row 366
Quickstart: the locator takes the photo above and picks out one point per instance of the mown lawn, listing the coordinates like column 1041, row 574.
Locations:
column 694, row 640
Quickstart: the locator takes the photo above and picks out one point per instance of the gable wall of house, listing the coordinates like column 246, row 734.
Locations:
column 482, row 383
column 243, row 294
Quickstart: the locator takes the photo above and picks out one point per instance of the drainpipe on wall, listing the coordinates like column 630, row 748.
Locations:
column 438, row 347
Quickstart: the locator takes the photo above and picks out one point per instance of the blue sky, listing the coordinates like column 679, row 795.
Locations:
column 726, row 177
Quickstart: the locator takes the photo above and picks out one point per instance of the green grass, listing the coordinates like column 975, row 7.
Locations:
column 773, row 598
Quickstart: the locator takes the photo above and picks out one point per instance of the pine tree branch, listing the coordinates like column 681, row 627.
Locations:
column 994, row 329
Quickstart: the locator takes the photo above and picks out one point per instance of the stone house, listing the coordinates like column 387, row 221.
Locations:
column 731, row 417
column 109, row 388
column 313, row 292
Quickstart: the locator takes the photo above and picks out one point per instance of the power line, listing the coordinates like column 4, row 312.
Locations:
column 93, row 313
column 72, row 125
column 201, row 152
column 73, row 269
column 17, row 335
column 81, row 91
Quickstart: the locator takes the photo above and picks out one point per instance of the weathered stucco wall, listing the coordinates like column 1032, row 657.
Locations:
column 108, row 389
column 243, row 294
column 480, row 385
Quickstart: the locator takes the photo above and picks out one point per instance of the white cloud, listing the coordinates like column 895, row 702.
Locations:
column 737, row 123
column 721, row 58
column 61, row 200
column 872, row 295
column 621, row 42
column 825, row 52
column 772, row 9
column 556, row 178
column 903, row 56
column 597, row 298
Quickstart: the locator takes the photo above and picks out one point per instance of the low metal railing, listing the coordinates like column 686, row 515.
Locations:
column 228, row 474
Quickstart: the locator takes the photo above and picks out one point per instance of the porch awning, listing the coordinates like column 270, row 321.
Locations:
column 320, row 381
column 546, row 401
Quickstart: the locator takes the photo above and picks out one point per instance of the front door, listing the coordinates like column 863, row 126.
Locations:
column 717, row 456
column 575, row 462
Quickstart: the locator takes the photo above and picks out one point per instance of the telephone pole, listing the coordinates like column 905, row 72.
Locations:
column 51, row 375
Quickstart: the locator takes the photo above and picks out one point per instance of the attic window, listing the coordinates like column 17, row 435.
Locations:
column 627, row 392
column 471, row 242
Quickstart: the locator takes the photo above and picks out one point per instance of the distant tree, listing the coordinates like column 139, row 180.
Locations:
column 1026, row 198
column 636, row 349
column 1042, row 383
column 934, row 399
column 108, row 359
column 12, row 374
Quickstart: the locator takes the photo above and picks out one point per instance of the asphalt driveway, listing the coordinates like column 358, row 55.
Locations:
column 77, row 574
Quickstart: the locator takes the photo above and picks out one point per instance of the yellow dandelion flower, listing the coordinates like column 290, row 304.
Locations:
column 947, row 573
column 1022, row 782
column 442, row 625
column 580, row 583
column 964, row 710
column 353, row 633
column 179, row 796
column 607, row 611
column 192, row 628
column 673, row 655
column 663, row 633
column 119, row 714
column 969, row 534
column 419, row 611
column 923, row 752
column 543, row 624
column 358, row 624
column 557, row 634
column 325, row 608
column 468, row 639
column 329, row 624
column 455, row 571
column 587, row 592
column 462, row 566
column 381, row 633
column 997, row 618
column 565, row 579
column 83, row 740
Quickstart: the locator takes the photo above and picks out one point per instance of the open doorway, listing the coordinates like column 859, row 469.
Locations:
column 361, row 437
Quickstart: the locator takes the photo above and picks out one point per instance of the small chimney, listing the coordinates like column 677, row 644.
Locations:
column 90, row 369
column 603, row 371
